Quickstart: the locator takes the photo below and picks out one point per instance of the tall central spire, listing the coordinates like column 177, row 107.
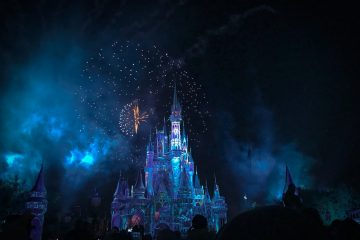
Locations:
column 175, row 119
column 176, row 105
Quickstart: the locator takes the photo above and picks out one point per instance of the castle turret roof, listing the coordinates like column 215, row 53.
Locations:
column 139, row 183
column 119, row 191
column 39, row 185
column 216, row 190
column 150, row 146
column 196, row 180
column 207, row 194
column 176, row 105
column 288, row 178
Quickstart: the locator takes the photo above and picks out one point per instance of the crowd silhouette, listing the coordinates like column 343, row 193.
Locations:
column 270, row 222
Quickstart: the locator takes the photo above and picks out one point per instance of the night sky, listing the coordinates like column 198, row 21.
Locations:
column 272, row 84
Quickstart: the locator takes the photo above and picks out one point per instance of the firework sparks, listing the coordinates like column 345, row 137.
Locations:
column 138, row 117
column 131, row 117
column 125, row 71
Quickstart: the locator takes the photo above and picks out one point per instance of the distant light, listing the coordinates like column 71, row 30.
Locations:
column 87, row 159
column 71, row 158
column 11, row 157
column 245, row 197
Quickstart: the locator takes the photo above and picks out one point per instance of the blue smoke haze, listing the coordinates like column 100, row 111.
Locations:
column 41, row 123
column 258, row 166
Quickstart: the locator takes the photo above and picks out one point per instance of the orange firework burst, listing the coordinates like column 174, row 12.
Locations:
column 131, row 117
column 138, row 117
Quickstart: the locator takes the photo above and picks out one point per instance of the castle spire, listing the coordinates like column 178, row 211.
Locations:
column 176, row 105
column 175, row 118
column 139, row 189
column 164, row 127
column 150, row 146
column 119, row 191
column 216, row 189
column 288, row 179
column 183, row 131
column 196, row 180
column 39, row 185
column 207, row 194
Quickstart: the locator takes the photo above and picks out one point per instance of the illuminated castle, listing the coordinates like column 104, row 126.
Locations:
column 171, row 194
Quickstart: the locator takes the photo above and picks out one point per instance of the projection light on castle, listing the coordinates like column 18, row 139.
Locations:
column 172, row 193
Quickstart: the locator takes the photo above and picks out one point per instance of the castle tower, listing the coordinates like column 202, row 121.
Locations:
column 160, row 143
column 149, row 168
column 166, row 139
column 117, row 206
column 216, row 190
column 175, row 140
column 198, row 195
column 184, row 139
column 139, row 190
column 175, row 119
column 37, row 205
column 219, row 209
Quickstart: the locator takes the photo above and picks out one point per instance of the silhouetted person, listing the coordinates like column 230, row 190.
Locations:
column 114, row 234
column 17, row 227
column 138, row 229
column 81, row 231
column 290, row 199
column 199, row 229
column 347, row 229
column 166, row 234
column 147, row 237
column 272, row 222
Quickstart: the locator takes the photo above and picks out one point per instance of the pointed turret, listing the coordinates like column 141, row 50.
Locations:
column 149, row 151
column 183, row 132
column 126, row 188
column 139, row 189
column 207, row 198
column 216, row 189
column 119, row 191
column 164, row 127
column 196, row 180
column 219, row 208
column 288, row 179
column 166, row 138
column 150, row 146
column 39, row 185
column 176, row 105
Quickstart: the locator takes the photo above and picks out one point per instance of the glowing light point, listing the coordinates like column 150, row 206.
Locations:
column 88, row 159
column 11, row 157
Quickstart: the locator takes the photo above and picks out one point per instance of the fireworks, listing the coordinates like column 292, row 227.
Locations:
column 138, row 117
column 122, row 72
column 131, row 118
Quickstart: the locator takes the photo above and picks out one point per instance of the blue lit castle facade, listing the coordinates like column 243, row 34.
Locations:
column 171, row 193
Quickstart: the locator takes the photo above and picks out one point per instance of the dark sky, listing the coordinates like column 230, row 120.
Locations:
column 281, row 80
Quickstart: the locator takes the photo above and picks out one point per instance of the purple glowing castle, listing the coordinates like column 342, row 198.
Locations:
column 172, row 193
